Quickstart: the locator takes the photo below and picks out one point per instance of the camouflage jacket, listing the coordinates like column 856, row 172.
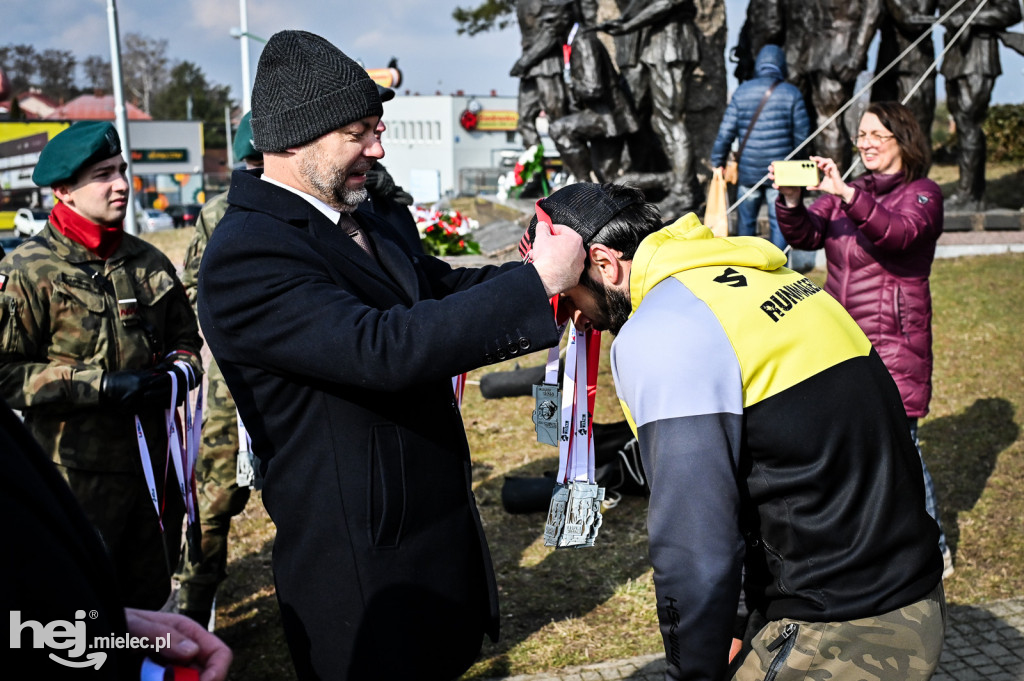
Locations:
column 61, row 328
column 213, row 210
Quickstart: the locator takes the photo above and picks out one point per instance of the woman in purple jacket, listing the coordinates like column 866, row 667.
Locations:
column 879, row 234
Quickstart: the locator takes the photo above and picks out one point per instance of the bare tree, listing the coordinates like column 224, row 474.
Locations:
column 144, row 64
column 97, row 73
column 57, row 74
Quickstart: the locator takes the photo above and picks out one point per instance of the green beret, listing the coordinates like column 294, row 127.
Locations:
column 242, row 146
column 81, row 145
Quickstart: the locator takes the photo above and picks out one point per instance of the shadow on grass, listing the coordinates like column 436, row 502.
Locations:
column 249, row 619
column 961, row 452
column 539, row 585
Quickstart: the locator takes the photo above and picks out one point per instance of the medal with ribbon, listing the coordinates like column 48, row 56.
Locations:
column 563, row 418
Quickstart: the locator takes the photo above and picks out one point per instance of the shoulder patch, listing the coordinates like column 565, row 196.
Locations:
column 3, row 282
column 922, row 199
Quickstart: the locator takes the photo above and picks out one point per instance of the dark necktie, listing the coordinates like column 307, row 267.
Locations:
column 352, row 228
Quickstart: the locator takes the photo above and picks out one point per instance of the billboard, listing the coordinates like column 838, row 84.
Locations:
column 20, row 144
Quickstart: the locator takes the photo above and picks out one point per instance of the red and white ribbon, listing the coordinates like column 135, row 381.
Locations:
column 459, row 388
column 579, row 389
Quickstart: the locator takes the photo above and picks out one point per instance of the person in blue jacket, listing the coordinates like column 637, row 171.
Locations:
column 779, row 129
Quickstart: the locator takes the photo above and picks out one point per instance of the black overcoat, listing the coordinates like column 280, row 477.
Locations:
column 57, row 570
column 341, row 369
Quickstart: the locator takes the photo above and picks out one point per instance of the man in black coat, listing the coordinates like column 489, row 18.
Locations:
column 339, row 345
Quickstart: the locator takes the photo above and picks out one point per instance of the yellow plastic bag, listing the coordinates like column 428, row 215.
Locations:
column 716, row 217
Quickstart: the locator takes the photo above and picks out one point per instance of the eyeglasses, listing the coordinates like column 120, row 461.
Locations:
column 873, row 138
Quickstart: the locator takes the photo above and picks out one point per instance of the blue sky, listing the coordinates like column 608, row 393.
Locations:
column 420, row 34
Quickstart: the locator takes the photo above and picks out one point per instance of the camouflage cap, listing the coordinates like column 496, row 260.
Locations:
column 242, row 145
column 83, row 144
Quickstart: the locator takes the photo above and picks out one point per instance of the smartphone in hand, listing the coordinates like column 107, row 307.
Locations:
column 796, row 173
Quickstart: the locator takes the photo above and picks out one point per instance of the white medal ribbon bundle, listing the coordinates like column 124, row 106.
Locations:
column 182, row 450
column 563, row 419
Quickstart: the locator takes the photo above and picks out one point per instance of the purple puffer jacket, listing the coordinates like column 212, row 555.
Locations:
column 879, row 250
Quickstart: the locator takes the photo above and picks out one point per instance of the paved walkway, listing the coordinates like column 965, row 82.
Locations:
column 983, row 643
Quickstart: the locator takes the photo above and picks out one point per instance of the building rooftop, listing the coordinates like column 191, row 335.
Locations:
column 95, row 108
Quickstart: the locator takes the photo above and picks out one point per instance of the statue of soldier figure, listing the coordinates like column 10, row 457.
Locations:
column 664, row 100
column 656, row 63
column 904, row 22
column 706, row 93
column 970, row 68
column 544, row 26
column 826, row 44
column 591, row 139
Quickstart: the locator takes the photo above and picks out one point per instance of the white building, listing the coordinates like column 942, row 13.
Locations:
column 431, row 154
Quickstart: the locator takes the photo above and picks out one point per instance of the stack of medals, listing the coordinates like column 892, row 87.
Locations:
column 562, row 419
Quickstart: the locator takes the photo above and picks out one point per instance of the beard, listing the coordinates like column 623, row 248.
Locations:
column 328, row 180
column 614, row 306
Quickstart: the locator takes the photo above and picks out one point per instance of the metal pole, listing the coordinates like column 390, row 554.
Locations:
column 244, row 39
column 227, row 134
column 120, row 112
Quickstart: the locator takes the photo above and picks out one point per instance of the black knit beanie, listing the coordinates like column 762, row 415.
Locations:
column 584, row 207
column 306, row 87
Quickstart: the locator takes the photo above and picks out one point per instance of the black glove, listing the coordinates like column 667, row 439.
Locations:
column 136, row 391
column 184, row 383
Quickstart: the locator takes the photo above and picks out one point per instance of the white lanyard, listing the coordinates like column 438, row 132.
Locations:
column 147, row 470
column 575, row 443
column 184, row 460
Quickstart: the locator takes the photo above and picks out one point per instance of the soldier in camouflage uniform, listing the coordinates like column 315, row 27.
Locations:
column 91, row 321
column 220, row 496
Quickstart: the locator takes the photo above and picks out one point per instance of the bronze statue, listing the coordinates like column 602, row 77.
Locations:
column 763, row 25
column 656, row 54
column 970, row 69
column 706, row 93
column 904, row 21
column 544, row 26
column 826, row 44
column 602, row 114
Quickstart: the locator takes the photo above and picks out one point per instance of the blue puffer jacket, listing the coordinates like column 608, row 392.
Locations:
column 781, row 127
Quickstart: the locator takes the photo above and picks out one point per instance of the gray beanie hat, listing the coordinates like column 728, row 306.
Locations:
column 306, row 87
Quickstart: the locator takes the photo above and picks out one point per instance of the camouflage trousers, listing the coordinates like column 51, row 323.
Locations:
column 902, row 645
column 220, row 497
column 119, row 507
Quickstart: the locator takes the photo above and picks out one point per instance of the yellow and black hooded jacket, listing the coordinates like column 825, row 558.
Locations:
column 773, row 437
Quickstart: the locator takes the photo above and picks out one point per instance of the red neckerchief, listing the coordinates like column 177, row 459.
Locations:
column 102, row 240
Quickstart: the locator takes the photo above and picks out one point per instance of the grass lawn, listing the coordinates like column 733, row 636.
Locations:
column 563, row 608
